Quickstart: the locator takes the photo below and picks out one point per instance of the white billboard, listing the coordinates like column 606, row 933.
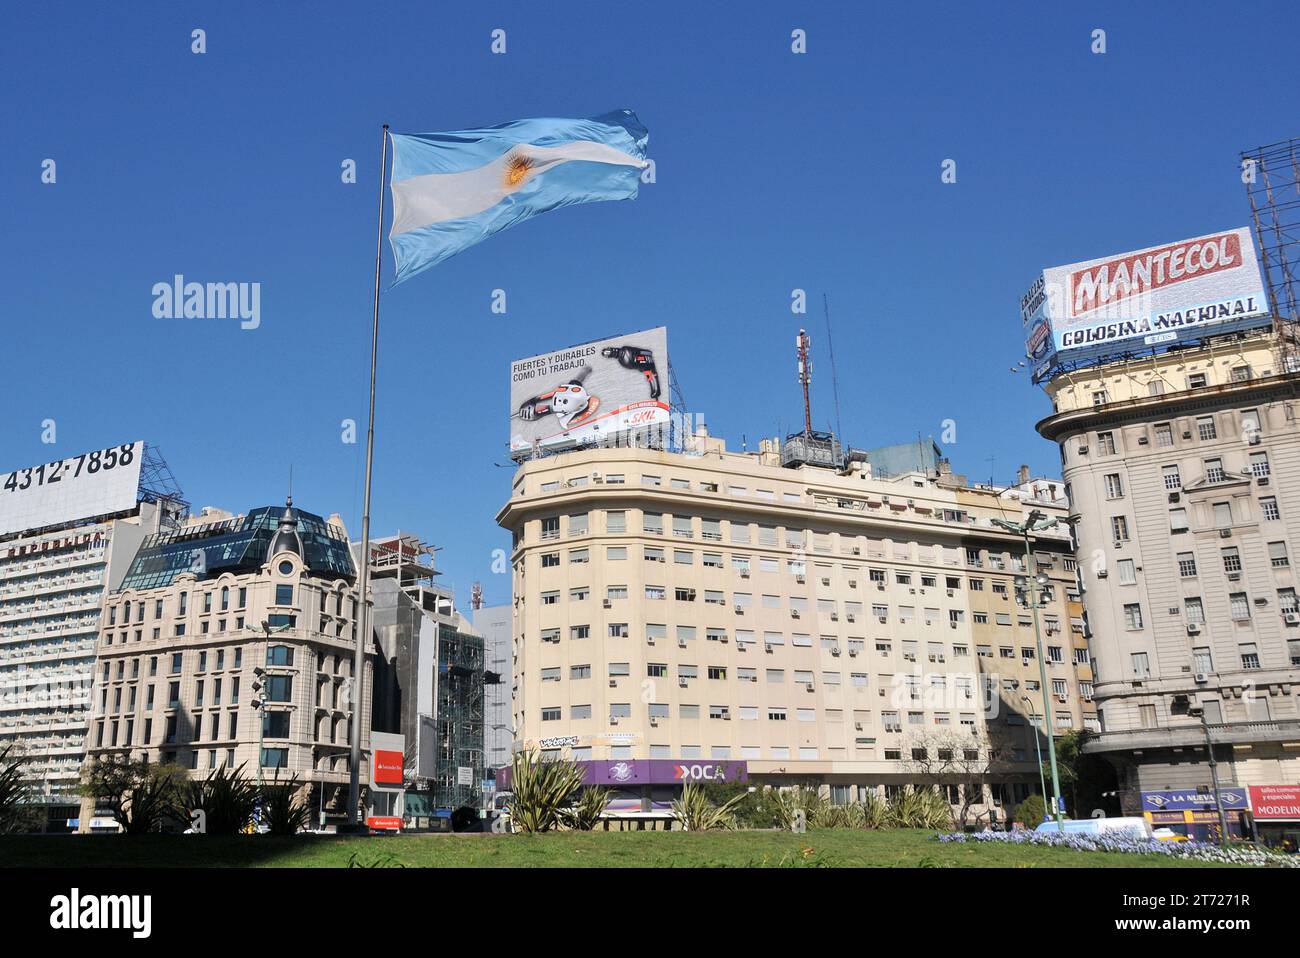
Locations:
column 587, row 393
column 1147, row 298
column 95, row 483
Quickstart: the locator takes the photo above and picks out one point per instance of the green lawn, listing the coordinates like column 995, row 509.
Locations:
column 840, row 848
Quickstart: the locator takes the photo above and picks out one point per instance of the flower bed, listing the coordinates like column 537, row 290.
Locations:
column 1125, row 843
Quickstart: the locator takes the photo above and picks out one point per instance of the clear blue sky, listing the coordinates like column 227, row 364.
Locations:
column 775, row 171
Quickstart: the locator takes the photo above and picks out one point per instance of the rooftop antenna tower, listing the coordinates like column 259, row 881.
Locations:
column 803, row 345
column 835, row 379
column 1271, row 175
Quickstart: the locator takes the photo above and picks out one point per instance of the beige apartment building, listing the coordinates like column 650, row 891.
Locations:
column 225, row 612
column 680, row 613
column 1186, row 470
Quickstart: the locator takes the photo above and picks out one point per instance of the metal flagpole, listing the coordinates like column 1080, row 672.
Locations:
column 363, row 579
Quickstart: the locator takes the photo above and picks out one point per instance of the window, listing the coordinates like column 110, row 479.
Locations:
column 279, row 688
column 683, row 557
column 1205, row 428
column 1231, row 559
column 1214, row 470
column 1132, row 616
column 1249, row 655
column 1277, row 555
column 1106, row 443
column 616, row 553
column 550, row 598
column 1127, row 573
column 1202, row 660
column 1155, row 388
column 1114, row 486
column 579, row 556
column 177, row 658
column 652, row 523
column 579, row 712
column 1196, row 380
column 551, row 527
column 279, row 655
column 1259, row 466
column 616, row 592
column 550, row 559
column 1187, row 565
column 1173, row 478
column 682, row 527
column 1119, row 528
column 551, row 714
column 579, row 671
column 1194, row 611
column 1164, row 435
column 1177, row 520
column 1141, row 666
column 616, row 522
column 578, row 524
column 1239, row 606
column 1269, row 510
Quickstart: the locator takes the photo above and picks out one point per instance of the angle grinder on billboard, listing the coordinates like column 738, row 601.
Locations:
column 588, row 393
column 1144, row 300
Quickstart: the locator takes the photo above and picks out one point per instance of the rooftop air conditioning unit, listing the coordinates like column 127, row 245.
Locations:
column 883, row 619
column 1024, row 661
column 1187, row 434
column 1174, row 496
column 853, row 583
column 650, row 640
column 1291, row 618
column 654, row 722
column 608, row 604
column 726, row 716
column 851, row 617
column 800, row 579
column 835, row 616
column 950, row 593
column 681, row 643
column 1062, row 698
column 1193, row 628
column 1201, row 678
column 857, row 726
column 683, row 682
column 1263, row 480
column 1225, row 533
column 794, row 613
column 853, row 653
column 1234, row 576
column 835, row 651
column 613, row 720
column 767, row 648
column 1102, row 573
column 744, row 573
column 808, row 686
column 597, row 477
column 910, row 656
column 740, row 610
column 613, row 683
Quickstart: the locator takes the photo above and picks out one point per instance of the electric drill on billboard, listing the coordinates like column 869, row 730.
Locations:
column 634, row 357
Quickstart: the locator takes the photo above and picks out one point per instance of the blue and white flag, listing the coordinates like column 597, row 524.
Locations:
column 452, row 190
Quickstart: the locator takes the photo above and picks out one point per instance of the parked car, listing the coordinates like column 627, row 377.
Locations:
column 1168, row 835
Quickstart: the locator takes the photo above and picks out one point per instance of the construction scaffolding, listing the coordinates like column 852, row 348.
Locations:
column 459, row 773
column 1271, row 175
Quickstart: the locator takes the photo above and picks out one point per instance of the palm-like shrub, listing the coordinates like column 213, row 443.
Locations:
column 584, row 813
column 227, row 800
column 15, row 791
column 875, row 813
column 800, row 798
column 919, row 808
column 542, row 791
column 142, row 796
column 697, row 813
column 284, row 809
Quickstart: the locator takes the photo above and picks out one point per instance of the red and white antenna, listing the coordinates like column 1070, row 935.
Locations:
column 803, row 345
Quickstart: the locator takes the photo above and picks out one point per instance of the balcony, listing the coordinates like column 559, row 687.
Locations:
column 1192, row 735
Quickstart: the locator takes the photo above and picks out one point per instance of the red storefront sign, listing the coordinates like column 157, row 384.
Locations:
column 384, row 823
column 387, row 767
column 1275, row 802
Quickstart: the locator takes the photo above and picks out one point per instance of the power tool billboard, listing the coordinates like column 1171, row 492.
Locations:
column 1143, row 301
column 585, row 394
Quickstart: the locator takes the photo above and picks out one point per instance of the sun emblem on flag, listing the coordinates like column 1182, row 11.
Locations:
column 518, row 166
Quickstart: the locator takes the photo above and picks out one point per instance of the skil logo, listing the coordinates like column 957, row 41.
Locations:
column 1133, row 274
column 620, row 772
column 712, row 773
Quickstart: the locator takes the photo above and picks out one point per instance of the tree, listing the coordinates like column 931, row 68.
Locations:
column 541, row 791
column 227, row 800
column 18, row 813
column 284, row 806
column 1084, row 777
column 1032, row 811
column 142, row 796
column 955, row 758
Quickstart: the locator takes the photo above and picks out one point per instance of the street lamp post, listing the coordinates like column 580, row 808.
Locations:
column 1214, row 776
column 260, row 698
column 1038, row 749
column 1033, row 592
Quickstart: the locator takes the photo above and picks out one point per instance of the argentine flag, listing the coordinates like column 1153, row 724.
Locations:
column 452, row 190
